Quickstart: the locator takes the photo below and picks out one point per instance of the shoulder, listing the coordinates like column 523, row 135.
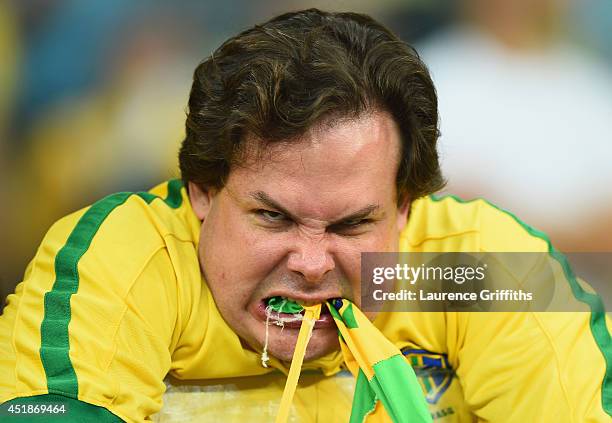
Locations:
column 120, row 233
column 446, row 223
column 162, row 211
column 120, row 275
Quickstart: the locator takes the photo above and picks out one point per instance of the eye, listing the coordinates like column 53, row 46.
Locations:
column 350, row 227
column 354, row 222
column 271, row 216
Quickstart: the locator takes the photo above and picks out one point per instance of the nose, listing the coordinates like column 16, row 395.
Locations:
column 311, row 259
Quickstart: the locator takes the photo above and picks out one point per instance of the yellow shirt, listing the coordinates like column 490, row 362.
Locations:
column 113, row 316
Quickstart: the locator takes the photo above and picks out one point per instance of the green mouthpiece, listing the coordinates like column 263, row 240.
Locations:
column 284, row 305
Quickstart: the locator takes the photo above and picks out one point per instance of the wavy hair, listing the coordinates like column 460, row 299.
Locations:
column 278, row 79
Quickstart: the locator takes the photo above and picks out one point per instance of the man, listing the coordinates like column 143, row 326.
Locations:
column 310, row 139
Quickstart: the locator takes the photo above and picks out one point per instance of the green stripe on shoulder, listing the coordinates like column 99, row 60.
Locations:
column 598, row 315
column 62, row 408
column 174, row 199
column 55, row 344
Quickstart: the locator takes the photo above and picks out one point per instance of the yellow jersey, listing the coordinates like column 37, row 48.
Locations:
column 114, row 320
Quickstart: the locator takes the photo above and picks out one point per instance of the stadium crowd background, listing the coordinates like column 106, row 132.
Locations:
column 93, row 97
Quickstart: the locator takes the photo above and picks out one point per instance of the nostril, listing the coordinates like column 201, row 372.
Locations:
column 310, row 264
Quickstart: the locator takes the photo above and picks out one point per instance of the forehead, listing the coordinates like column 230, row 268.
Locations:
column 330, row 168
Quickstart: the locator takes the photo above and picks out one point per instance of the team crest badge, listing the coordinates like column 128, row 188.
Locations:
column 433, row 372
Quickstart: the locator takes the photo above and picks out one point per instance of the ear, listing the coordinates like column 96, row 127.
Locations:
column 403, row 211
column 201, row 200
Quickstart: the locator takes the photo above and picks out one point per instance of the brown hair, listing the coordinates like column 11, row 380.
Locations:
column 278, row 79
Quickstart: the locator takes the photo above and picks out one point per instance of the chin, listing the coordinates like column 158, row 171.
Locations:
column 281, row 343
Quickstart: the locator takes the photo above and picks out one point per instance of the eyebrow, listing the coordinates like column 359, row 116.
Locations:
column 362, row 213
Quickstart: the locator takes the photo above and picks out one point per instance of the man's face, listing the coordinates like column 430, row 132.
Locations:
column 295, row 223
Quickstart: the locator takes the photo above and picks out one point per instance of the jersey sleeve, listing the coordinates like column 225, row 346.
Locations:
column 537, row 365
column 513, row 366
column 532, row 367
column 92, row 325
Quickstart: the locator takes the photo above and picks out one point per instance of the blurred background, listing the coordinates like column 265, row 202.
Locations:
column 93, row 97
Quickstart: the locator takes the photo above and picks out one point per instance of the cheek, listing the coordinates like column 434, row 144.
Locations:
column 348, row 251
column 237, row 257
column 384, row 239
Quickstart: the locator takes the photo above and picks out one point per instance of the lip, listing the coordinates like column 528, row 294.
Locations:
column 325, row 321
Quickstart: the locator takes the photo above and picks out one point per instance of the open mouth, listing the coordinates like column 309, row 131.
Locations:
column 287, row 313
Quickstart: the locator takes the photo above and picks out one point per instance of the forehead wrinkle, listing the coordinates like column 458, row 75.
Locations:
column 363, row 212
column 314, row 175
column 264, row 198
